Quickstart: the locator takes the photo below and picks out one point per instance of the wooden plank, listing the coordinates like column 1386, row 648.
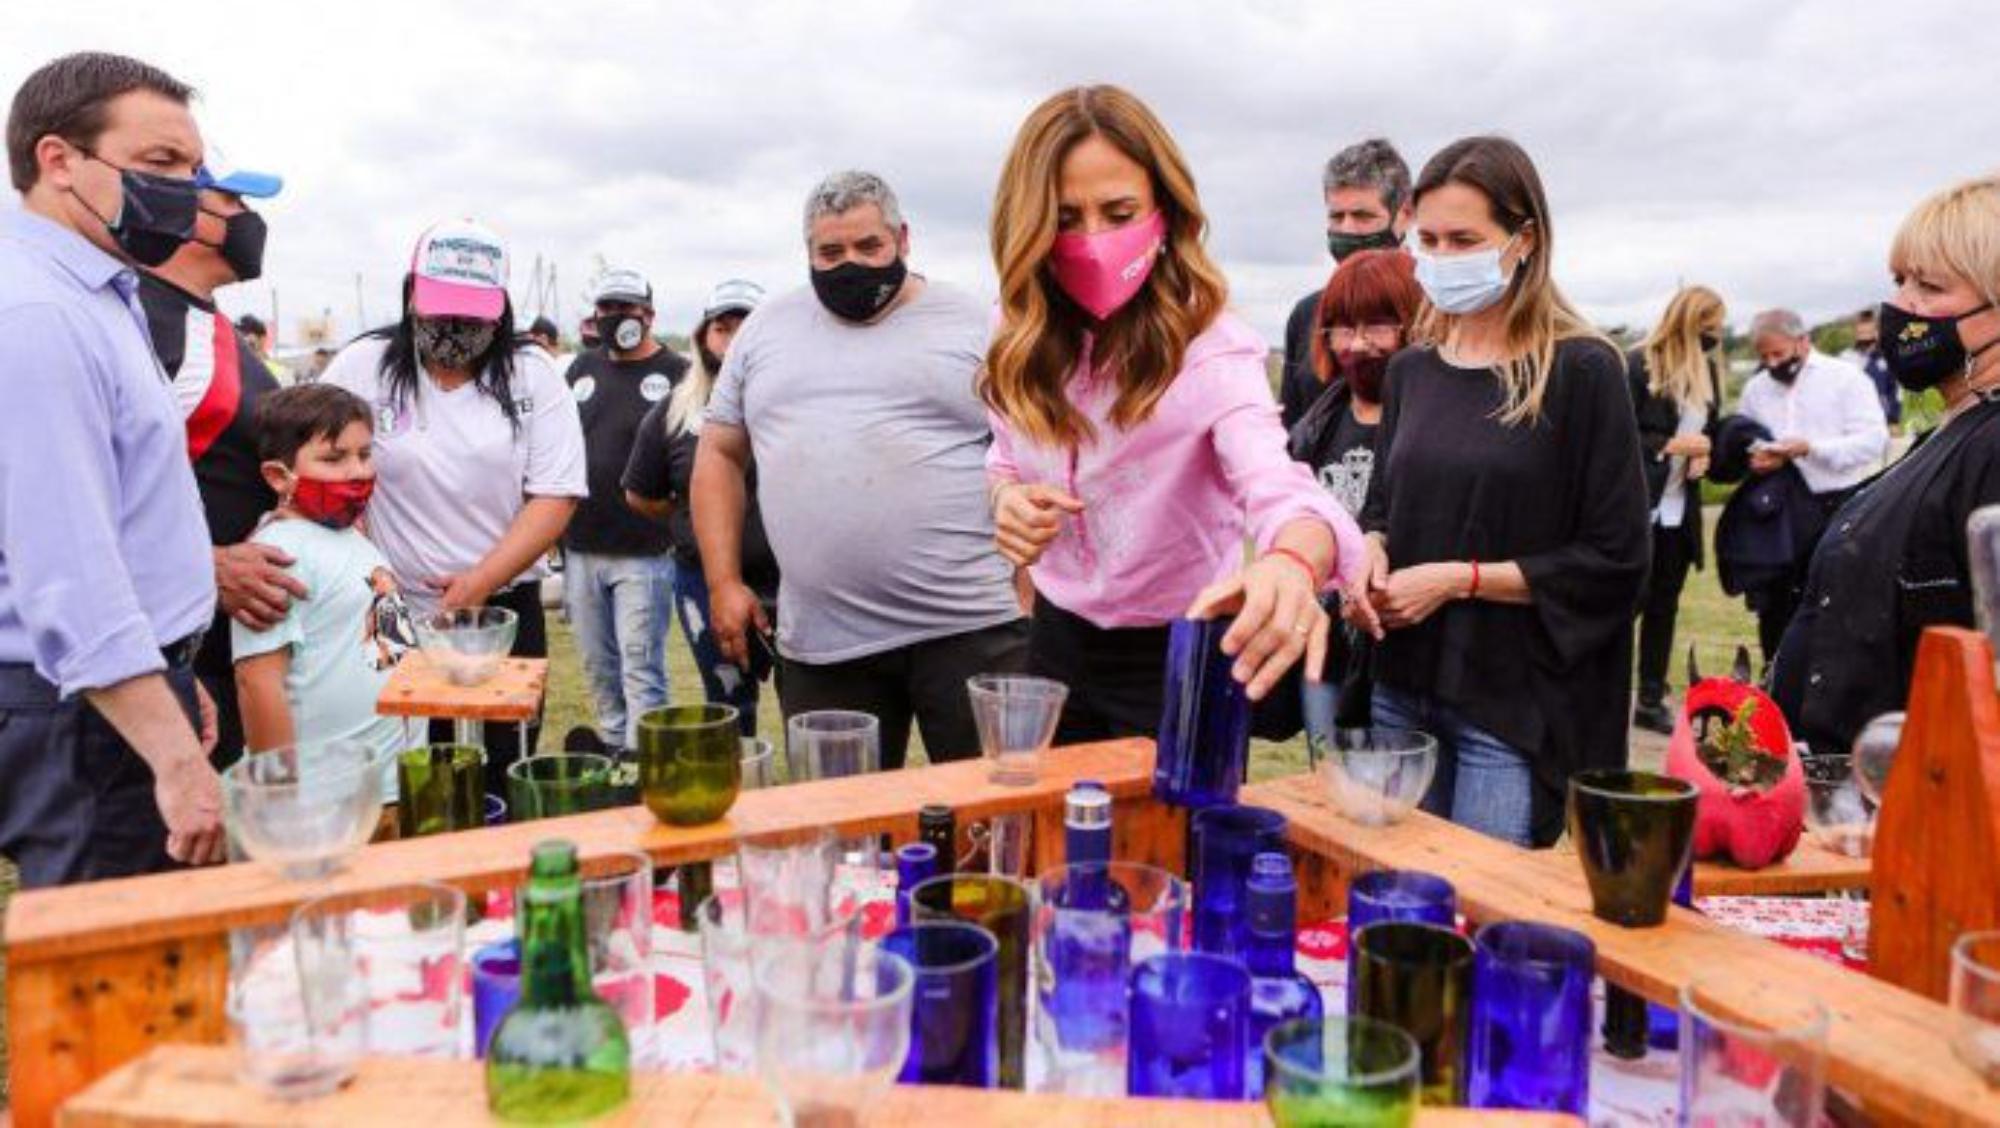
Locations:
column 1937, row 842
column 418, row 689
column 196, row 1087
column 48, row 924
column 1811, row 868
column 1887, row 1045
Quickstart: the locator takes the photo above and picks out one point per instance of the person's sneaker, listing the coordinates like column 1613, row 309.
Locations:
column 1654, row 716
column 583, row 738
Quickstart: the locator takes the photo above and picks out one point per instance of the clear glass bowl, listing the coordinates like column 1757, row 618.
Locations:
column 305, row 807
column 467, row 645
column 1376, row 776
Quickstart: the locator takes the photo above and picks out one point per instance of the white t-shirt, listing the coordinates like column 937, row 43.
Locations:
column 451, row 473
column 1833, row 406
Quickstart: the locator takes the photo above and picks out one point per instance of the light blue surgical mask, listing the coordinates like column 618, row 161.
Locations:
column 1466, row 283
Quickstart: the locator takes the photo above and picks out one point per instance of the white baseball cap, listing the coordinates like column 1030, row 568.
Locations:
column 461, row 271
column 734, row 296
column 621, row 285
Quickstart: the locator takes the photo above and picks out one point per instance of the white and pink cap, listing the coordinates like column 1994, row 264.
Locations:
column 461, row 271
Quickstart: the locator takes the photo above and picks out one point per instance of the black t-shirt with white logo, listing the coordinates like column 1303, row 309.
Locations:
column 611, row 398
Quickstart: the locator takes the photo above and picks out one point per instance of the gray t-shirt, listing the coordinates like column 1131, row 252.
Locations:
column 870, row 445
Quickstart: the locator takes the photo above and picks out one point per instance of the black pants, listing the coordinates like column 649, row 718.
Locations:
column 76, row 802
column 1673, row 555
column 216, row 670
column 1115, row 675
column 1776, row 604
column 531, row 640
column 924, row 682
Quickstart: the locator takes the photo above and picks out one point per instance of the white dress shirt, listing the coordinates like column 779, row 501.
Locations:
column 1833, row 407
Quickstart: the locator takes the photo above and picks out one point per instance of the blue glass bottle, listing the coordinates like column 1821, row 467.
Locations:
column 1204, row 741
column 1278, row 993
column 1087, row 848
column 915, row 863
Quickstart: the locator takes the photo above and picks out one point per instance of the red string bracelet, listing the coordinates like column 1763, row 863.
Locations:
column 1312, row 573
column 1473, row 591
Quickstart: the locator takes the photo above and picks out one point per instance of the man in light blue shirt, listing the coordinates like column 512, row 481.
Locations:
column 106, row 581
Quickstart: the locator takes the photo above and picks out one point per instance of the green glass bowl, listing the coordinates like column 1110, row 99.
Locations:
column 690, row 763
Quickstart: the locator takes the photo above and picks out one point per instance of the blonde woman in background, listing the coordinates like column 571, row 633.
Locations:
column 1507, row 515
column 1676, row 381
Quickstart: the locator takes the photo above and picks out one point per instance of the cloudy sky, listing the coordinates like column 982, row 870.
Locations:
column 1767, row 149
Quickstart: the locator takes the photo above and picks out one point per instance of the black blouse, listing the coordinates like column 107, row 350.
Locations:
column 1562, row 497
column 1893, row 562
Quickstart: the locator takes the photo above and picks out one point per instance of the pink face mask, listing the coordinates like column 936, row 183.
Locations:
column 1102, row 271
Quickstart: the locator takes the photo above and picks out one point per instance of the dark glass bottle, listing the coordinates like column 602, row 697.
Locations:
column 561, row 1055
column 1278, row 993
column 937, row 826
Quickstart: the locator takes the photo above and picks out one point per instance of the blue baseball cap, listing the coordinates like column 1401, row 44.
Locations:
column 219, row 173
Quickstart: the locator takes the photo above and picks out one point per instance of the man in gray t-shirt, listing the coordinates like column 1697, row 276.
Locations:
column 855, row 396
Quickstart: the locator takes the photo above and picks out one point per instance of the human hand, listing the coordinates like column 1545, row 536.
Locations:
column 733, row 611
column 465, row 590
column 1026, row 517
column 252, row 585
column 211, row 721
column 1414, row 594
column 189, row 794
column 1358, row 603
column 1278, row 619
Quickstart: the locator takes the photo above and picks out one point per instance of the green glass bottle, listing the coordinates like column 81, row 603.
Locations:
column 561, row 1055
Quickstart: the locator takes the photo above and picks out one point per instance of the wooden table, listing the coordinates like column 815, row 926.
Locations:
column 196, row 1087
column 1811, row 868
column 512, row 696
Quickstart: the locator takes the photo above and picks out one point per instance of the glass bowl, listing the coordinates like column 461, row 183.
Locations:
column 305, row 807
column 1376, row 776
column 466, row 645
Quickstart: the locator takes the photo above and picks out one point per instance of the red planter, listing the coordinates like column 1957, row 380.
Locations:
column 1750, row 828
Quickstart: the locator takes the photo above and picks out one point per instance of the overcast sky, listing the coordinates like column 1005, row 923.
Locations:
column 1766, row 149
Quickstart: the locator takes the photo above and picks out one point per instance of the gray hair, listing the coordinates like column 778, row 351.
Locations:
column 1373, row 163
column 1777, row 322
column 845, row 191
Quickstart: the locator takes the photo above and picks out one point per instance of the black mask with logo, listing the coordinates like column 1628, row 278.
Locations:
column 156, row 214
column 1786, row 372
column 1341, row 245
column 621, row 332
column 242, row 245
column 1923, row 352
column 855, row 291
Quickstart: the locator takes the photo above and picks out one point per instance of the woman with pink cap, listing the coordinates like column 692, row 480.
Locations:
column 478, row 453
column 1136, row 444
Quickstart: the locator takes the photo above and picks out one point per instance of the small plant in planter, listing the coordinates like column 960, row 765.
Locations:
column 1731, row 741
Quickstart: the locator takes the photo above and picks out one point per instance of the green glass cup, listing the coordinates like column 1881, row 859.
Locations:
column 558, row 783
column 1337, row 1072
column 440, row 788
column 1418, row 978
column 690, row 763
column 1634, row 833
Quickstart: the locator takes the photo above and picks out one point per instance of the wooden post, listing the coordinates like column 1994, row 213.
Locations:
column 1937, row 840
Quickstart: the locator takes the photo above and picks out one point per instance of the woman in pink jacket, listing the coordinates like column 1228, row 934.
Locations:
column 1136, row 445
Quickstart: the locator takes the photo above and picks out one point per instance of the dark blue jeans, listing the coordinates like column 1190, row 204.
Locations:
column 722, row 681
column 76, row 802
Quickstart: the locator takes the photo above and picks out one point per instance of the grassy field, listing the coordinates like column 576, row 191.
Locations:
column 1709, row 619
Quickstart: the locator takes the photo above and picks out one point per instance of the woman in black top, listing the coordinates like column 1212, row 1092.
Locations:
column 1676, row 386
column 656, row 484
column 1507, row 516
column 1893, row 560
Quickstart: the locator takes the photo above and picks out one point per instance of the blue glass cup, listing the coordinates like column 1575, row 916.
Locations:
column 496, row 984
column 1407, row 895
column 1190, row 1025
column 1531, row 1018
column 1004, row 907
column 1224, row 841
column 1204, row 741
column 954, row 1003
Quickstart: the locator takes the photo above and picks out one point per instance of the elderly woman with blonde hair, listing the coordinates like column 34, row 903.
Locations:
column 1893, row 561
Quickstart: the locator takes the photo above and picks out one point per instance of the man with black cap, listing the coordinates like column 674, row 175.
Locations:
column 618, row 571
column 218, row 379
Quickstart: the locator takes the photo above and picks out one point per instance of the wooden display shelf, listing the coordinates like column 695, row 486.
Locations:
column 1811, row 868
column 196, row 1087
column 513, row 695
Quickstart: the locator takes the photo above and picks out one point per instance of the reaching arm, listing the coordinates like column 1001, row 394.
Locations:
column 536, row 528
column 260, row 690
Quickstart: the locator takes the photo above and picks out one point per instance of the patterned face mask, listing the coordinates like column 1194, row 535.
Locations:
column 454, row 343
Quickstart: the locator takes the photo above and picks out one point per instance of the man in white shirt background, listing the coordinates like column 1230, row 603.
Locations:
column 1825, row 420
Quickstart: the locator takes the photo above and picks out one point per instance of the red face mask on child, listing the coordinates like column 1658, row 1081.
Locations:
column 337, row 505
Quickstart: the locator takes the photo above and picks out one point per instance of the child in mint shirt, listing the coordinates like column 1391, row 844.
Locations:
column 316, row 674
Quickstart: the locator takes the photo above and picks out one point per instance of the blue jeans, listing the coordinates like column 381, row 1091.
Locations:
column 722, row 681
column 1482, row 782
column 621, row 608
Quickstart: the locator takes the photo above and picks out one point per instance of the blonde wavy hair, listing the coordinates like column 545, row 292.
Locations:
column 1042, row 332
column 1537, row 316
column 1956, row 231
column 1676, row 365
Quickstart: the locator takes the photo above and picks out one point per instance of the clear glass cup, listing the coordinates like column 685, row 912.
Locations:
column 1874, row 750
column 305, row 807
column 1733, row 1072
column 390, row 960
column 728, row 954
column 1838, row 814
column 760, row 763
column 618, row 928
column 284, row 1047
column 787, row 880
column 558, row 783
column 833, row 1028
column 1347, row 1071
column 1017, row 718
column 1005, row 841
column 1093, row 923
column 1975, row 1002
column 1982, row 550
column 832, row 744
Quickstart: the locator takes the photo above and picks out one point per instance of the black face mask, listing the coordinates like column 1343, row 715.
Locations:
column 621, row 332
column 1710, row 342
column 1786, row 372
column 155, row 217
column 242, row 245
column 1923, row 352
column 1340, row 244
column 709, row 360
column 855, row 291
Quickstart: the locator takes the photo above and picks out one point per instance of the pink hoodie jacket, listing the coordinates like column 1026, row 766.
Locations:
column 1168, row 504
